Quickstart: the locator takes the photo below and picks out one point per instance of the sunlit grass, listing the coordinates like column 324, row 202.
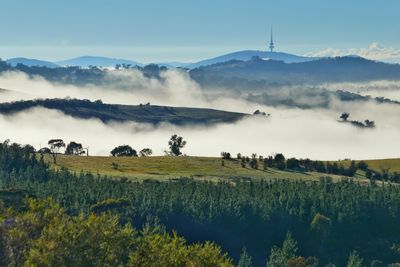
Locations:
column 161, row 168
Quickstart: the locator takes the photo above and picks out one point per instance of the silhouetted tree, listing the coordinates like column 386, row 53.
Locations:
column 279, row 160
column 74, row 148
column 55, row 146
column 123, row 151
column 226, row 155
column 176, row 143
column 344, row 116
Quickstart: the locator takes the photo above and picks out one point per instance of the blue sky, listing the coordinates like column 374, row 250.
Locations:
column 187, row 30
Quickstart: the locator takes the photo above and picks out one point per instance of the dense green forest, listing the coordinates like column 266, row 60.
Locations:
column 316, row 223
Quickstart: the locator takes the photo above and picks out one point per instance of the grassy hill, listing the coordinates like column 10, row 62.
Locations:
column 162, row 167
column 391, row 165
column 147, row 113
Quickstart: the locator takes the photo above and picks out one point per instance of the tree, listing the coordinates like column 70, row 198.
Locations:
column 245, row 259
column 44, row 150
column 226, row 155
column 253, row 162
column 362, row 165
column 55, row 146
column 145, row 152
column 280, row 256
column 268, row 162
column 369, row 124
column 29, row 149
column 321, row 226
column 123, row 151
column 355, row 260
column 279, row 160
column 344, row 116
column 243, row 162
column 74, row 148
column 176, row 143
column 292, row 163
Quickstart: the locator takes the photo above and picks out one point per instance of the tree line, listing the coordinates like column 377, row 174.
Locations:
column 55, row 146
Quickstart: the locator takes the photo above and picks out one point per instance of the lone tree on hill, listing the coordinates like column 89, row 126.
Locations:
column 74, row 148
column 123, row 151
column 176, row 143
column 55, row 146
column 345, row 116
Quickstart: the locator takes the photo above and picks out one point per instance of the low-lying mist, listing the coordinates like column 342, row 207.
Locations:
column 313, row 133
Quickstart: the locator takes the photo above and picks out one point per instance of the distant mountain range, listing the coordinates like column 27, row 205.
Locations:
column 261, row 73
column 31, row 62
column 86, row 61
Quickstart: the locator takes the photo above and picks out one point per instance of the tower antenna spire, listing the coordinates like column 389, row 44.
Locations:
column 271, row 43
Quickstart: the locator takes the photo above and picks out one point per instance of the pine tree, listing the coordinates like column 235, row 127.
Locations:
column 245, row 259
column 355, row 260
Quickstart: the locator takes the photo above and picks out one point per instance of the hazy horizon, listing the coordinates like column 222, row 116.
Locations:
column 157, row 31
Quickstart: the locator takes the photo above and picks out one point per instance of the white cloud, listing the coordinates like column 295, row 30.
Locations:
column 313, row 133
column 374, row 51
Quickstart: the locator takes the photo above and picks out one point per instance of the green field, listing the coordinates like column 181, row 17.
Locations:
column 162, row 168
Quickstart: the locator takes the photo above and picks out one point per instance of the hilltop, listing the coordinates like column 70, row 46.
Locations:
column 86, row 61
column 144, row 113
column 261, row 73
column 209, row 168
column 248, row 55
column 166, row 167
column 31, row 62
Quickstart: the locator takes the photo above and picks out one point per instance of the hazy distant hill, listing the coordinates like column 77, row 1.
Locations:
column 258, row 72
column 31, row 62
column 248, row 54
column 86, row 109
column 86, row 61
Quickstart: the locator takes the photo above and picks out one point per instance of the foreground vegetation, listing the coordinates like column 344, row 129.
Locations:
column 328, row 221
column 40, row 233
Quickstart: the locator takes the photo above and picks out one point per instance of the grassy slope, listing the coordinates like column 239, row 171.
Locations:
column 175, row 167
column 85, row 109
column 392, row 165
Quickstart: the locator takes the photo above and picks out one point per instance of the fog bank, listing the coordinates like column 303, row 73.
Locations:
column 313, row 133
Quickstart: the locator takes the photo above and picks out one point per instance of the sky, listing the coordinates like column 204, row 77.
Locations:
column 189, row 30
